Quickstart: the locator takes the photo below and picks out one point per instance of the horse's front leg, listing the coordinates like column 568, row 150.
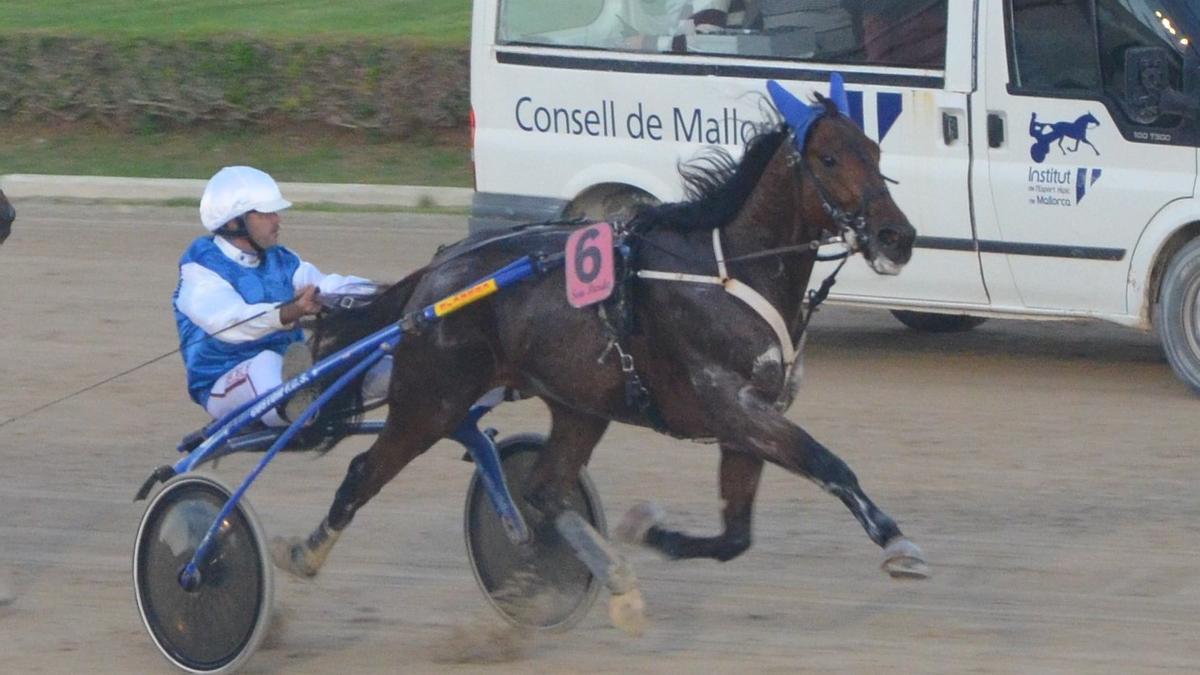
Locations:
column 739, row 476
column 753, row 425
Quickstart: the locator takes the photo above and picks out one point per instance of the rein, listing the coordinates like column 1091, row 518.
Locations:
column 138, row 367
column 854, row 224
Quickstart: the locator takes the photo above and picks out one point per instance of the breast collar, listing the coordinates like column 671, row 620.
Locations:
column 739, row 290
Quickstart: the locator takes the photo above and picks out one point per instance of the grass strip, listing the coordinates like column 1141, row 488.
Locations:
column 316, row 156
column 434, row 22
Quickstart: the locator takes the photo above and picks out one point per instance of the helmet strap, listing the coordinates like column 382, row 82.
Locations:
column 241, row 232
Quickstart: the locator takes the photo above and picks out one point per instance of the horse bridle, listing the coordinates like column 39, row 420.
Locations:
column 852, row 226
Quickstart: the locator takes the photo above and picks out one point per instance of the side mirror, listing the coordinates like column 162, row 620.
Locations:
column 1148, row 91
column 1146, row 71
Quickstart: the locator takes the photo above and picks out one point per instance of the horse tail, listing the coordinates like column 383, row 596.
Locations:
column 336, row 329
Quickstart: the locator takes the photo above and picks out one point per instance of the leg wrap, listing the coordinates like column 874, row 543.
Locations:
column 346, row 501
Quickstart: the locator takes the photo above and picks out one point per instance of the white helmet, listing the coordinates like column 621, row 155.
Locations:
column 235, row 191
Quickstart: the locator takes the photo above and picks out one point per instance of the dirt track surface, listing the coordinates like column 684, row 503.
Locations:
column 1048, row 470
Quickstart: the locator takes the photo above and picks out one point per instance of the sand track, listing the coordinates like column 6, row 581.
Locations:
column 1048, row 470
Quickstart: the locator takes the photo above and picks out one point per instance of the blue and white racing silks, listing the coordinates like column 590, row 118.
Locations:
column 226, row 306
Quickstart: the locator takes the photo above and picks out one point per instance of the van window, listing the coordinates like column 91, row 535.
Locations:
column 1129, row 24
column 902, row 32
column 1053, row 46
column 907, row 33
column 527, row 21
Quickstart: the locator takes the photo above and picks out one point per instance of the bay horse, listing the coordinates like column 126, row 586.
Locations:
column 7, row 215
column 713, row 365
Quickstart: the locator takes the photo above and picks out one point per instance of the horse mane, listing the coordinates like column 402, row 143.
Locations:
column 716, row 185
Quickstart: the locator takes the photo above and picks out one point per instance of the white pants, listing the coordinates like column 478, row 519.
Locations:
column 259, row 374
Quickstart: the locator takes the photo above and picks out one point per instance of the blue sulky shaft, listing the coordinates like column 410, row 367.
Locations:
column 506, row 276
column 491, row 474
column 362, row 355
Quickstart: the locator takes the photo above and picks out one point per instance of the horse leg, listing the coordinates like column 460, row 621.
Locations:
column 573, row 436
column 413, row 426
column 753, row 425
column 739, row 476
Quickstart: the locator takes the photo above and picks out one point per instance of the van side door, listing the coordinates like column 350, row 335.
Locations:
column 1073, row 176
column 915, row 86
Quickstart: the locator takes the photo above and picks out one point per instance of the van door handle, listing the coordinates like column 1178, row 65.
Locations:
column 995, row 128
column 949, row 128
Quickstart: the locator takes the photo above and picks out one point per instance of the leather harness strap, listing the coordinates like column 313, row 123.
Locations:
column 739, row 290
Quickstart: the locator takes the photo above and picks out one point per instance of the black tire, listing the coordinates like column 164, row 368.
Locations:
column 541, row 585
column 217, row 626
column 1177, row 315
column 930, row 322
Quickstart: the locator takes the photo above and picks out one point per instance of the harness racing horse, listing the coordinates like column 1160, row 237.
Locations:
column 714, row 356
column 7, row 215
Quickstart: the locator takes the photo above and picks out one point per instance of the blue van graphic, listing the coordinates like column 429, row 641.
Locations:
column 1045, row 133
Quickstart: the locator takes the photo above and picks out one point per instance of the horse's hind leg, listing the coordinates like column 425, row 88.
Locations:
column 739, row 476
column 414, row 423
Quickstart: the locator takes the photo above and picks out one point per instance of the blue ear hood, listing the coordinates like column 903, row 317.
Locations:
column 800, row 115
column 837, row 93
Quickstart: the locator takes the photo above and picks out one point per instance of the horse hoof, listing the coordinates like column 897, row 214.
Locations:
column 637, row 522
column 903, row 559
column 627, row 611
column 292, row 556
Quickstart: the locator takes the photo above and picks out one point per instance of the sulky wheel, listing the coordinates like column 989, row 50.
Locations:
column 216, row 626
column 541, row 585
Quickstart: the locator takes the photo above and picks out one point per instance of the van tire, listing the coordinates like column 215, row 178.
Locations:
column 1177, row 314
column 931, row 322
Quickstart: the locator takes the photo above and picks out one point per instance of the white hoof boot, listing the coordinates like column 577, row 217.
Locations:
column 293, row 557
column 637, row 522
column 903, row 559
column 627, row 611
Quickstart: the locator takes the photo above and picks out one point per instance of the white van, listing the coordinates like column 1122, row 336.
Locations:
column 1046, row 149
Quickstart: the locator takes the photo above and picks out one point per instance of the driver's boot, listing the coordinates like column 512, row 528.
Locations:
column 297, row 359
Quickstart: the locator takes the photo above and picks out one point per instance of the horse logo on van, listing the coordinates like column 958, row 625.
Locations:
column 1045, row 133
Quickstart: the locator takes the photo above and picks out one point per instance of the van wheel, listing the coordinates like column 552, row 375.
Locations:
column 930, row 322
column 1177, row 315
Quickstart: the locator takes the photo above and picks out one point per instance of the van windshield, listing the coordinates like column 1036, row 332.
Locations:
column 1176, row 21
